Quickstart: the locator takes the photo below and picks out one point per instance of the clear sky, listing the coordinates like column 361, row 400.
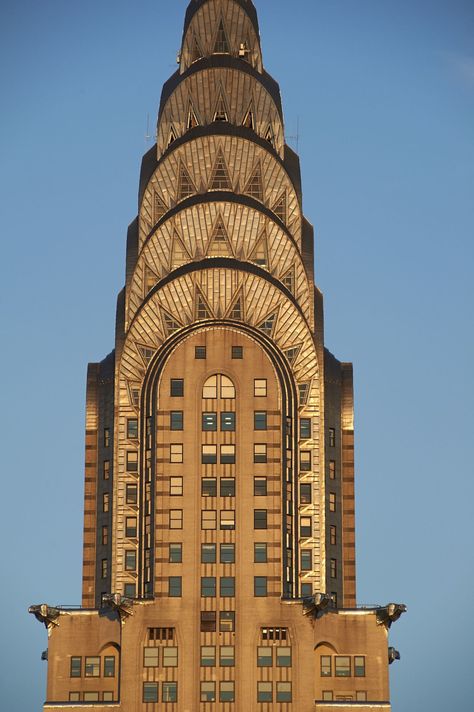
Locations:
column 383, row 91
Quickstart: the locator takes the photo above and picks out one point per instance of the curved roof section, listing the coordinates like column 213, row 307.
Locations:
column 215, row 62
column 241, row 96
column 246, row 5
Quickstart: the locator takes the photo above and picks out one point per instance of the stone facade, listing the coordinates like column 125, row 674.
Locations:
column 219, row 529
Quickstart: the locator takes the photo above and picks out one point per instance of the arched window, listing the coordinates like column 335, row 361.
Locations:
column 218, row 386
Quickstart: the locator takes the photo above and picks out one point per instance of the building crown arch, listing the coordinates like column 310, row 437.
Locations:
column 194, row 100
column 197, row 227
column 177, row 297
column 182, row 173
column 214, row 27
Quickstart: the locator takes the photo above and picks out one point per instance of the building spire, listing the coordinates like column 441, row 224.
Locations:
column 221, row 27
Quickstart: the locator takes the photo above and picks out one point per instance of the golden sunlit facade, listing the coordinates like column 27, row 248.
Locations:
column 219, row 530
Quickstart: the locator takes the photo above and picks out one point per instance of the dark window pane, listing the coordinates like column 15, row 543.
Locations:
column 209, row 422
column 209, row 454
column 305, row 493
column 227, row 454
column 260, row 420
column 228, row 487
column 132, row 428
column 176, row 420
column 130, row 590
column 260, row 519
column 177, row 387
column 226, row 692
column 176, row 553
column 306, row 560
column 132, row 494
column 227, row 586
column 260, row 553
column 208, row 586
column 305, row 428
column 260, row 586
column 76, row 665
column 265, row 656
column 260, row 452
column 208, row 553
column 228, row 421
column 237, row 352
column 174, row 586
column 209, row 487
column 200, row 352
column 260, row 486
column 130, row 560
column 109, row 666
column 132, row 461
column 150, row 692
column 208, row 621
column 305, row 461
column 131, row 527
column 227, row 553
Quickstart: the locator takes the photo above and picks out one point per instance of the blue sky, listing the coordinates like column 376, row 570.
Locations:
column 383, row 92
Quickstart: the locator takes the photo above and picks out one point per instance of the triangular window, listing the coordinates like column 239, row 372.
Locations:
column 192, row 118
column 248, row 121
column 169, row 323
column 236, row 311
column 196, row 52
column 280, row 207
column 146, row 352
column 288, row 280
column 219, row 245
column 202, row 309
column 159, row 208
column 221, row 113
column 185, row 185
column 150, row 278
column 179, row 254
column 172, row 136
column 269, row 136
column 268, row 324
column 254, row 187
column 292, row 354
column 260, row 253
column 221, row 45
column 220, row 179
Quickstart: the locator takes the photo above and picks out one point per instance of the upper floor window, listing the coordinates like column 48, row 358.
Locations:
column 332, row 437
column 177, row 387
column 218, row 386
column 176, row 420
column 305, row 428
column 260, row 387
column 132, row 428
